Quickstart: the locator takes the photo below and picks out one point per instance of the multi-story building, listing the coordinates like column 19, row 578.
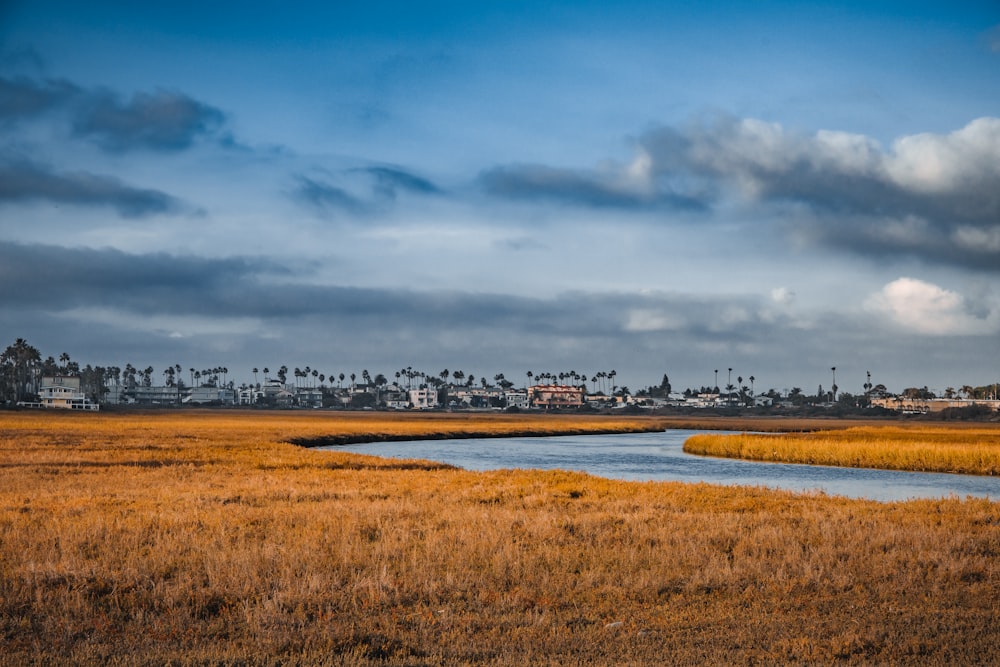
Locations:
column 63, row 393
column 424, row 398
column 555, row 396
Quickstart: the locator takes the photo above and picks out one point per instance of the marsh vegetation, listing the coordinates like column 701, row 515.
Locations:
column 207, row 538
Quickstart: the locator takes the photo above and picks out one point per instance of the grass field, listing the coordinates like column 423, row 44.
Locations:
column 207, row 539
column 970, row 448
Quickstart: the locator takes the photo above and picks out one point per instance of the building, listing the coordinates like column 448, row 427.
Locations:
column 155, row 395
column 209, row 395
column 555, row 396
column 516, row 399
column 62, row 393
column 423, row 398
column 925, row 405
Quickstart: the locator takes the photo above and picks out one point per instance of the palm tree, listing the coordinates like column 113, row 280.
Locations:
column 833, row 387
column 752, row 390
column 20, row 363
column 530, row 375
column 255, row 375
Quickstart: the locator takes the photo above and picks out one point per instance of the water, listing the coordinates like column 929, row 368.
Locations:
column 659, row 456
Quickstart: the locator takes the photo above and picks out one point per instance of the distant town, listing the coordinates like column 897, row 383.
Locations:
column 27, row 380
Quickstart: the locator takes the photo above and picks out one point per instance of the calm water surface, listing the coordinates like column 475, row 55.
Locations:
column 659, row 456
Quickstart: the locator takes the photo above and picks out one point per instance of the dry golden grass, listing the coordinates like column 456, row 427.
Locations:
column 969, row 449
column 204, row 539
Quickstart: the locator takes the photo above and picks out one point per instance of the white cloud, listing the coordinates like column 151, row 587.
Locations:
column 641, row 320
column 924, row 308
column 936, row 163
column 974, row 238
column 782, row 295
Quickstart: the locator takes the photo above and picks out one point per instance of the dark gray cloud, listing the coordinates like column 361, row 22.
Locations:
column 160, row 121
column 364, row 191
column 242, row 287
column 88, row 277
column 24, row 181
column 582, row 188
column 131, row 307
column 325, row 197
column 934, row 197
column 163, row 120
column 389, row 180
column 22, row 97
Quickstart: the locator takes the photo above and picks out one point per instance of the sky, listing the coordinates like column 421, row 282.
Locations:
column 651, row 187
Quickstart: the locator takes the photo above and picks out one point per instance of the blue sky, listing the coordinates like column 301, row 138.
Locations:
column 650, row 187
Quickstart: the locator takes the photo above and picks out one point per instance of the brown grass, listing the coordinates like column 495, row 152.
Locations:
column 203, row 539
column 969, row 449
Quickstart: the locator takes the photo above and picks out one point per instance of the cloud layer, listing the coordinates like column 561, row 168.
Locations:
column 933, row 196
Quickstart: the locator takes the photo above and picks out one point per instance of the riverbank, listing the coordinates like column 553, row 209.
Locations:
column 208, row 539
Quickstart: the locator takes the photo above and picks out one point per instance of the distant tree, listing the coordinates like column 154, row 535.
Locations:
column 19, row 366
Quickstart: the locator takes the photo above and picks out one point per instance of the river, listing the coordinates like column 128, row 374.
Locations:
column 660, row 456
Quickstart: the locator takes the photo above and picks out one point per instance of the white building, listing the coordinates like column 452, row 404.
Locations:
column 423, row 398
column 62, row 393
column 517, row 399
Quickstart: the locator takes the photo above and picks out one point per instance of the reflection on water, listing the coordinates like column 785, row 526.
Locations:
column 659, row 456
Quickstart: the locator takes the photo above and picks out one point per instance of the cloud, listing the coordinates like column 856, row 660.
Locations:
column 783, row 295
column 610, row 188
column 161, row 121
column 24, row 181
column 365, row 190
column 325, row 196
column 21, row 97
column 925, row 308
column 993, row 39
column 158, row 308
column 388, row 180
column 932, row 196
column 89, row 277
column 244, row 287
